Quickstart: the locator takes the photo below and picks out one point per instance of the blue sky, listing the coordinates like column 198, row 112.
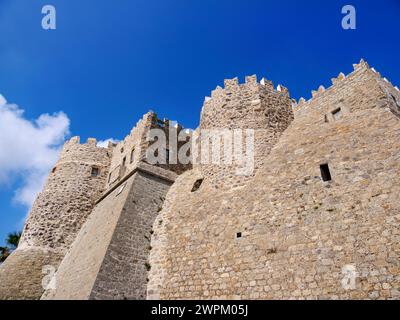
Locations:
column 108, row 62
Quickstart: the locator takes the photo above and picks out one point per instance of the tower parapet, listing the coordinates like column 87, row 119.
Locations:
column 254, row 106
column 130, row 152
column 74, row 184
column 339, row 95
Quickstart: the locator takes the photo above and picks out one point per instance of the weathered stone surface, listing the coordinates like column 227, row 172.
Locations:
column 297, row 231
column 22, row 273
column 282, row 233
column 109, row 258
column 56, row 217
column 123, row 273
column 251, row 105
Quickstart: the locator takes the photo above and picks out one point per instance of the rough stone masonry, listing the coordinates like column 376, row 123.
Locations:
column 323, row 200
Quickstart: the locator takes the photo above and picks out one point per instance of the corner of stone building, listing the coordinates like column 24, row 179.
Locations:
column 122, row 218
column 109, row 258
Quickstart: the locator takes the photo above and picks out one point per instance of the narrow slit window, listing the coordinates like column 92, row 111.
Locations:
column 167, row 156
column 325, row 172
column 95, row 172
column 197, row 185
column 132, row 155
column 123, row 161
column 54, row 170
column 337, row 114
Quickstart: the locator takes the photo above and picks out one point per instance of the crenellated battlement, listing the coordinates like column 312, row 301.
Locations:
column 132, row 150
column 253, row 105
column 76, row 141
column 74, row 150
column 233, row 86
column 361, row 73
column 244, row 105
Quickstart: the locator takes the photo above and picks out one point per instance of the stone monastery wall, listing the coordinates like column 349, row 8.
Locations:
column 318, row 218
column 288, row 233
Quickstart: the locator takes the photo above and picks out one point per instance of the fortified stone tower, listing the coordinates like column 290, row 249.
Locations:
column 109, row 258
column 57, row 215
column 252, row 105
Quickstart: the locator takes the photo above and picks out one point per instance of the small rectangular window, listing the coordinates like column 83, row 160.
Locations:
column 325, row 172
column 95, row 172
column 238, row 235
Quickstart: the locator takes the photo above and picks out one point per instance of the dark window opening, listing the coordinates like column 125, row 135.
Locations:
column 238, row 235
column 109, row 178
column 326, row 118
column 337, row 114
column 123, row 161
column 325, row 172
column 122, row 150
column 132, row 154
column 197, row 185
column 95, row 172
column 54, row 170
column 167, row 156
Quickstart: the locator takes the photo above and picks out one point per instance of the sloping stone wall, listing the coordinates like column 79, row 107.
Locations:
column 123, row 273
column 109, row 258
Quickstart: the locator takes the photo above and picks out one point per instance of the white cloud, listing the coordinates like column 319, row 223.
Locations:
column 104, row 143
column 29, row 148
column 3, row 101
